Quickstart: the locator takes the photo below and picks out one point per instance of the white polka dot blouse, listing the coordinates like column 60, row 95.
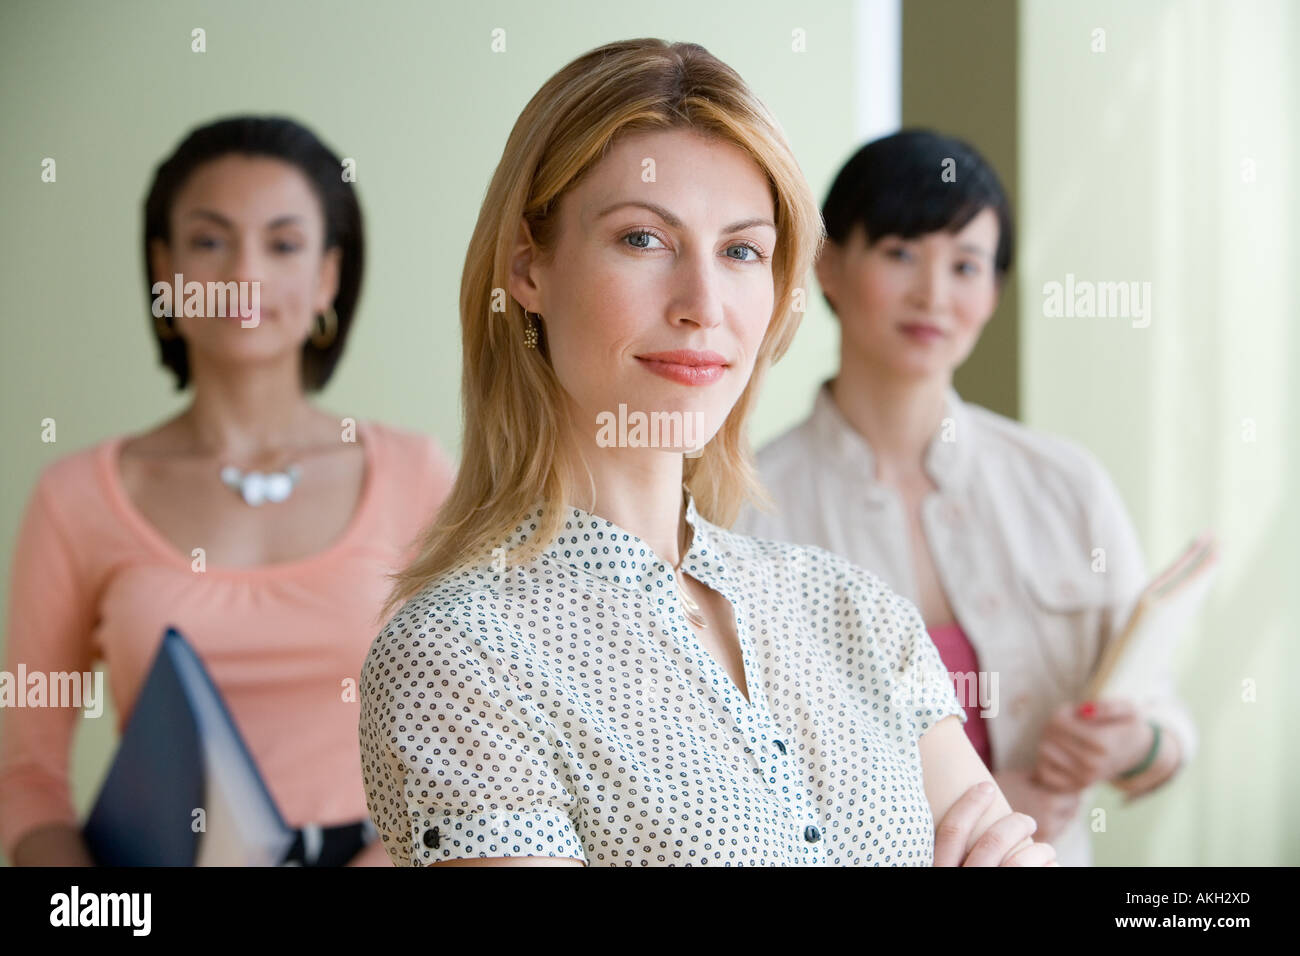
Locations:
column 565, row 708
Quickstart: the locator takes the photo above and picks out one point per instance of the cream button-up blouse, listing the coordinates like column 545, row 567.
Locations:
column 1031, row 542
column 565, row 708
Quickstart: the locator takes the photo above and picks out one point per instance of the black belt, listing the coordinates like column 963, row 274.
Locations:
column 329, row 846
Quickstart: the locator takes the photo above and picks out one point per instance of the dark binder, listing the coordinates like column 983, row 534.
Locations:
column 181, row 752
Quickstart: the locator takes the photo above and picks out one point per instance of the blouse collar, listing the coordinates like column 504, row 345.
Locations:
column 947, row 458
column 596, row 545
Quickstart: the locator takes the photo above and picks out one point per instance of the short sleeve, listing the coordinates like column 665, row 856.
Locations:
column 51, row 614
column 905, row 678
column 457, row 760
column 923, row 685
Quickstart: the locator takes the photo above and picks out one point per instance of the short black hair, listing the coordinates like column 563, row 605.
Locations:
column 895, row 186
column 279, row 138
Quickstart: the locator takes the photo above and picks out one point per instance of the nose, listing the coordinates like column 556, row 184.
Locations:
column 697, row 293
column 247, row 261
column 930, row 286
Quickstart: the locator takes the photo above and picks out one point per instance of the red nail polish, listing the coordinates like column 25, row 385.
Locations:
column 1087, row 709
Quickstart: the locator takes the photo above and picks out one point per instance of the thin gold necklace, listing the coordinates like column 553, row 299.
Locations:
column 690, row 609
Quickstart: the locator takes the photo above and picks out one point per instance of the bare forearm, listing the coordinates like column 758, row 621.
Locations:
column 56, row 844
column 950, row 767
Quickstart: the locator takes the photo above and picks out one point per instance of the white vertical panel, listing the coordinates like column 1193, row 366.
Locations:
column 877, row 68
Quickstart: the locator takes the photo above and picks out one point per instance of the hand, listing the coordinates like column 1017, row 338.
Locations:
column 999, row 845
column 1077, row 751
column 1052, row 809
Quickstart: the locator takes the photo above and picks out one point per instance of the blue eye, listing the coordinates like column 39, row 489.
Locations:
column 647, row 234
column 203, row 242
column 969, row 268
column 287, row 247
column 898, row 252
column 759, row 255
column 641, row 232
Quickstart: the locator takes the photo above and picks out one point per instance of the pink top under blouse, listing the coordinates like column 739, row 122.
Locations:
column 959, row 657
column 93, row 580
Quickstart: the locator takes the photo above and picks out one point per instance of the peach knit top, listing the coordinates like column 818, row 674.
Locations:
column 93, row 580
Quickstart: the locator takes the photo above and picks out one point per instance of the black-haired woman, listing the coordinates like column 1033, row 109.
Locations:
column 1015, row 545
column 259, row 524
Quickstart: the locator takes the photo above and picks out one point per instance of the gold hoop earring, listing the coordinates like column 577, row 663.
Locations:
column 327, row 328
column 530, row 331
column 166, row 329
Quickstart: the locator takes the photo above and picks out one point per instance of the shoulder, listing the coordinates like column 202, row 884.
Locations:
column 1050, row 489
column 414, row 464
column 407, row 446
column 782, row 466
column 1051, row 461
column 810, row 575
column 828, row 605
column 75, row 477
column 787, row 452
column 455, row 611
column 1009, row 438
column 460, row 600
column 70, row 516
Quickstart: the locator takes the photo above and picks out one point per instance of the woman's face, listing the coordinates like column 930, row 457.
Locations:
column 665, row 246
column 249, row 219
column 913, row 308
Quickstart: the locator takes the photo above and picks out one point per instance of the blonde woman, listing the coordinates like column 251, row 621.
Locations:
column 588, row 668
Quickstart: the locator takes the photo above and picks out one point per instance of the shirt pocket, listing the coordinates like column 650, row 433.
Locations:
column 1064, row 615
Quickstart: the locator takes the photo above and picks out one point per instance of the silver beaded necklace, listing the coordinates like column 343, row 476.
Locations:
column 257, row 487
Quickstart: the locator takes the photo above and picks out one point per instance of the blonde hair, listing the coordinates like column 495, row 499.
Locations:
column 514, row 428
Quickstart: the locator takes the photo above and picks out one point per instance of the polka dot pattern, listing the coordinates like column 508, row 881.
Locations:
column 565, row 708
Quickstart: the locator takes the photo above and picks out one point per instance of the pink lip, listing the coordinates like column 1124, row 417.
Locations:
column 234, row 316
column 921, row 330
column 686, row 366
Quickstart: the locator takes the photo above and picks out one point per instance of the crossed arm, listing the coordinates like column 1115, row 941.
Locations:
column 950, row 766
column 974, row 828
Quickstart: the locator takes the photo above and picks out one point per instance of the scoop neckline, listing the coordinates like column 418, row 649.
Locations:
column 158, row 543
